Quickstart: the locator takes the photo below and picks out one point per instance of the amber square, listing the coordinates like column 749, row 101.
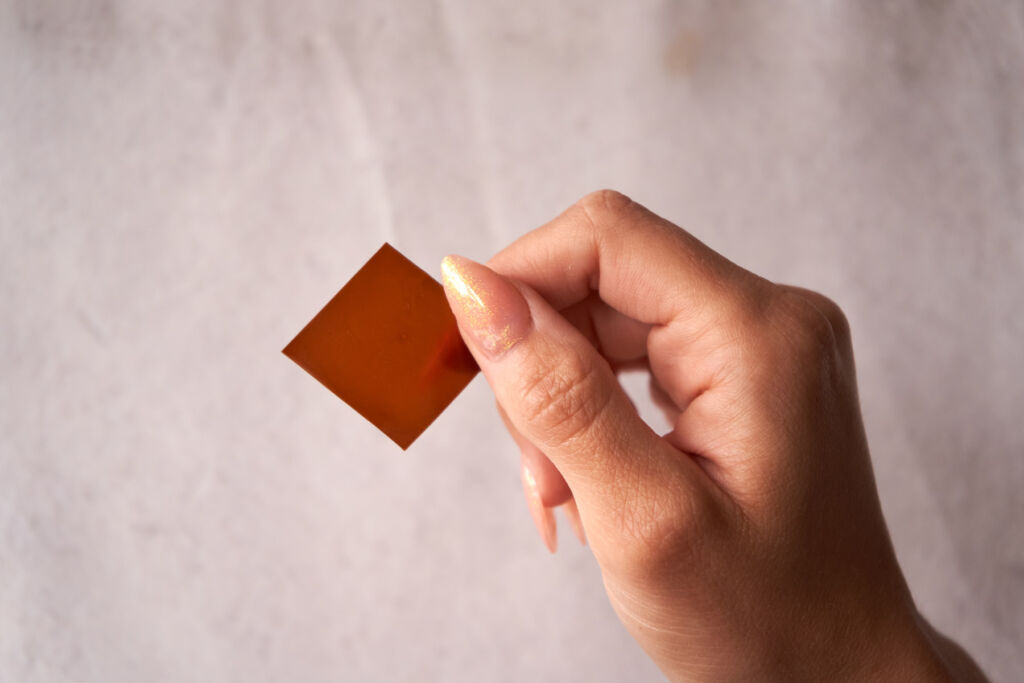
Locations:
column 388, row 345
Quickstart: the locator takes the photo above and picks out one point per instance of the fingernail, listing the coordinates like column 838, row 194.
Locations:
column 486, row 304
column 543, row 517
column 573, row 514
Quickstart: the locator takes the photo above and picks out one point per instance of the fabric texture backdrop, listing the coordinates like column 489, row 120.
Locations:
column 183, row 185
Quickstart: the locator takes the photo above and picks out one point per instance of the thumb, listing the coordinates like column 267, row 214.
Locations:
column 561, row 394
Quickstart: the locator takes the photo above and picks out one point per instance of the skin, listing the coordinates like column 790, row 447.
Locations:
column 746, row 544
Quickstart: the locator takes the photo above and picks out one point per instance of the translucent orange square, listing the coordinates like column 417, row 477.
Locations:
column 388, row 345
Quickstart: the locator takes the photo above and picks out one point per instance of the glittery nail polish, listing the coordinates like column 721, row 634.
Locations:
column 486, row 304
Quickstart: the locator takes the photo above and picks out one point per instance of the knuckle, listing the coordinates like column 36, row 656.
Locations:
column 604, row 207
column 606, row 199
column 661, row 534
column 807, row 330
column 836, row 318
column 564, row 400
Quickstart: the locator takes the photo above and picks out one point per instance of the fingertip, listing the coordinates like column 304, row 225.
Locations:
column 550, row 483
column 572, row 513
column 543, row 517
column 486, row 304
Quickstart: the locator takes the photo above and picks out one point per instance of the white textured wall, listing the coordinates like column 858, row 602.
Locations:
column 182, row 185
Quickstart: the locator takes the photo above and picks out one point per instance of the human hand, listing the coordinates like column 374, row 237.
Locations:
column 746, row 544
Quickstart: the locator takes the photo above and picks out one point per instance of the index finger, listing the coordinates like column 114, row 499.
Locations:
column 639, row 263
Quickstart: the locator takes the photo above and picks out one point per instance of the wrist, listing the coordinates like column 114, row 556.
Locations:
column 955, row 659
column 898, row 647
column 912, row 650
column 905, row 653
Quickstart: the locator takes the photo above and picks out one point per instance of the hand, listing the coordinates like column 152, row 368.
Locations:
column 746, row 544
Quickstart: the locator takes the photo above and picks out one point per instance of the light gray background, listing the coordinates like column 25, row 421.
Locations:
column 183, row 185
